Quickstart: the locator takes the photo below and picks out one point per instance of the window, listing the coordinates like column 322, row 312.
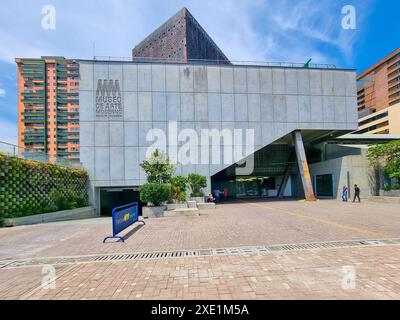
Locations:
column 377, row 117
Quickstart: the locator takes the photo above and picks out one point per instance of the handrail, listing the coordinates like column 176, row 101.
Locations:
column 35, row 155
column 218, row 62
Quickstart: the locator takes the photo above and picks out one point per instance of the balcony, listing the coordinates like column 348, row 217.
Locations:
column 62, row 132
column 62, row 112
column 62, row 152
column 62, row 120
column 33, row 100
column 34, row 132
column 37, row 112
column 62, row 138
column 33, row 120
column 32, row 139
column 364, row 113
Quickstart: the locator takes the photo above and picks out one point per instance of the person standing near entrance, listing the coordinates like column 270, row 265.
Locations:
column 356, row 193
column 226, row 194
column 344, row 194
column 217, row 194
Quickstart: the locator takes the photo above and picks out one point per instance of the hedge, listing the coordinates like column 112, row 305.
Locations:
column 30, row 187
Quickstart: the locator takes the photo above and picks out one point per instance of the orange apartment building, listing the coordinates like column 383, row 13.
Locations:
column 378, row 94
column 48, row 106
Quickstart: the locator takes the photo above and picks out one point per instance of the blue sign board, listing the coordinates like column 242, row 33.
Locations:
column 122, row 218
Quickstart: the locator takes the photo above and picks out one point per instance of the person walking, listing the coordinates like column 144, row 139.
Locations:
column 345, row 194
column 356, row 193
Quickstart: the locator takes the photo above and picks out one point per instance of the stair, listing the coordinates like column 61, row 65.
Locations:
column 190, row 208
column 206, row 206
column 182, row 212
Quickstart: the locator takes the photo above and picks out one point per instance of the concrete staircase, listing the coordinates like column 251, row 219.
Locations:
column 182, row 212
column 190, row 208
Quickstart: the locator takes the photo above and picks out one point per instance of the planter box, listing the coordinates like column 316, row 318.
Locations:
column 393, row 193
column 153, row 212
column 206, row 206
column 74, row 214
column 192, row 204
column 186, row 212
column 198, row 199
column 174, row 206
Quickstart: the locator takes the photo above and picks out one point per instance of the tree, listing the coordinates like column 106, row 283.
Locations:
column 196, row 182
column 158, row 168
column 155, row 193
column 387, row 156
column 179, row 185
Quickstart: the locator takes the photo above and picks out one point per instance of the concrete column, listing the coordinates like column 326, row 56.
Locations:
column 303, row 166
column 207, row 190
column 285, row 179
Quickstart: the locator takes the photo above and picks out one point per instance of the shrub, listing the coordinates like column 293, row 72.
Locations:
column 179, row 185
column 82, row 200
column 58, row 198
column 155, row 193
column 196, row 183
column 64, row 200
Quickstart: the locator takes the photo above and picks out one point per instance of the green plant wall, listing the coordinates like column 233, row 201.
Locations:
column 29, row 187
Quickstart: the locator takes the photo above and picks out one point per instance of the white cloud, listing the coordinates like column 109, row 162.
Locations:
column 8, row 131
column 245, row 30
column 2, row 93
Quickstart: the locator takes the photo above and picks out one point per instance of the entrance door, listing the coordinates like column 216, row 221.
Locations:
column 111, row 198
column 324, row 185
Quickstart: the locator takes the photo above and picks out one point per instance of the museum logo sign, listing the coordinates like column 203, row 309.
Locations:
column 109, row 105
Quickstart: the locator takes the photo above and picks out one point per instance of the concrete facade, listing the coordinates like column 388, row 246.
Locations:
column 348, row 171
column 273, row 101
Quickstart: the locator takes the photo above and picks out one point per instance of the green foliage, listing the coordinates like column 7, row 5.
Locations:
column 196, row 182
column 391, row 188
column 387, row 156
column 155, row 193
column 29, row 187
column 158, row 168
column 179, row 186
column 66, row 199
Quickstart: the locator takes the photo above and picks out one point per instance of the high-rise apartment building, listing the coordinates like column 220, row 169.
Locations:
column 48, row 106
column 379, row 85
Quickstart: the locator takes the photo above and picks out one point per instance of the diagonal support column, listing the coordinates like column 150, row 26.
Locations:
column 303, row 166
column 285, row 179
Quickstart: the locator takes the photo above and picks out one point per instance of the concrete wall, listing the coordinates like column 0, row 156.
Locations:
column 359, row 172
column 272, row 101
column 73, row 214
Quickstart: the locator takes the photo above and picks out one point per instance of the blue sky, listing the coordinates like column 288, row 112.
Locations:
column 256, row 30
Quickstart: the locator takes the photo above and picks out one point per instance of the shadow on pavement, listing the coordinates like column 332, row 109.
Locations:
column 133, row 231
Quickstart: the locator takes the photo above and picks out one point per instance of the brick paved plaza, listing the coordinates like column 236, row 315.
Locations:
column 298, row 274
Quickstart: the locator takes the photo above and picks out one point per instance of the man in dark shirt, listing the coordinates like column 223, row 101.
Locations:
column 356, row 193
